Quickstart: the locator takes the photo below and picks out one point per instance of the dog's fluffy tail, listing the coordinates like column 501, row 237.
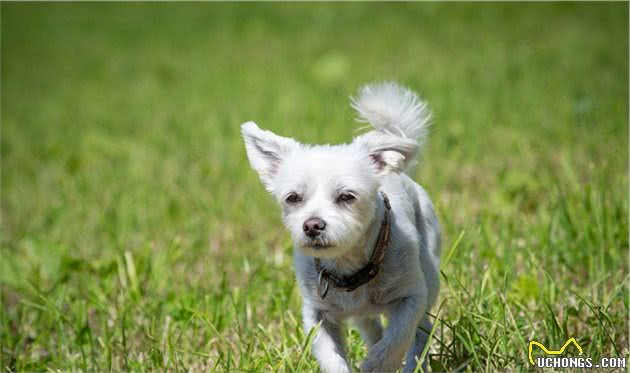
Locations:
column 393, row 109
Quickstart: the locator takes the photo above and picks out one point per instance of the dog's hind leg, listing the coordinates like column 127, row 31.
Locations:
column 420, row 341
column 371, row 329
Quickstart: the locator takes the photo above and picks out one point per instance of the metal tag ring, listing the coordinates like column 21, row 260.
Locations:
column 322, row 294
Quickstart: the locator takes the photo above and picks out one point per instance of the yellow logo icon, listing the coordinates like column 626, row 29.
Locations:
column 552, row 352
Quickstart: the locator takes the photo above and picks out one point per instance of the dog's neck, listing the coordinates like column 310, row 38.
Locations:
column 357, row 257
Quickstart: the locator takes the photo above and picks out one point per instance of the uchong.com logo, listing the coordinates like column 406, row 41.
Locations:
column 552, row 358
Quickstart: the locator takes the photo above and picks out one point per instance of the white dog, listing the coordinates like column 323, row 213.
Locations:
column 366, row 238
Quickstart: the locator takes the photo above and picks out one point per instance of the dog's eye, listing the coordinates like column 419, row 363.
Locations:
column 293, row 198
column 346, row 197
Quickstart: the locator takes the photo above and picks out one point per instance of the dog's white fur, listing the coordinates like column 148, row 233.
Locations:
column 407, row 284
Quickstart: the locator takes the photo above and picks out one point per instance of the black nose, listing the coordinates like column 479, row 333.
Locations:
column 313, row 226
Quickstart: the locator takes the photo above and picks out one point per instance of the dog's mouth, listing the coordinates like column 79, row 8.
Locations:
column 318, row 244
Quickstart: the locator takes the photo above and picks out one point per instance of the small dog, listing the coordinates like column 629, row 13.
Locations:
column 366, row 237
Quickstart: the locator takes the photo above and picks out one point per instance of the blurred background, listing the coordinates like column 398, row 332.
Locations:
column 135, row 236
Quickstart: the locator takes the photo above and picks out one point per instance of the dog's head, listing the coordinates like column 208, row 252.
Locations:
column 328, row 193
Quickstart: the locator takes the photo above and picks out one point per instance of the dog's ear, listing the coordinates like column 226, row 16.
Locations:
column 388, row 153
column 265, row 151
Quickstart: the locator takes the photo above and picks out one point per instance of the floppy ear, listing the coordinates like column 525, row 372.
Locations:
column 388, row 153
column 265, row 151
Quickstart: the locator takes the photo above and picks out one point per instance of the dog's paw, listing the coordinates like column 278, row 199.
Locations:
column 368, row 366
column 379, row 360
column 372, row 366
column 334, row 364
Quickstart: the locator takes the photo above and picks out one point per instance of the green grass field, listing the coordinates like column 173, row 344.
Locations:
column 135, row 236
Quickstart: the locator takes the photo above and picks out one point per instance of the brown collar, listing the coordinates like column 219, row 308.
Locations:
column 350, row 283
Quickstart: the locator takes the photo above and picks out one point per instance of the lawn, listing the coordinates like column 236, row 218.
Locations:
column 135, row 236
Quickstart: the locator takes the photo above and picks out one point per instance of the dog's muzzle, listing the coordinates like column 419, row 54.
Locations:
column 325, row 279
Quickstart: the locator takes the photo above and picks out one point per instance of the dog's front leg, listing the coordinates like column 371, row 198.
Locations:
column 328, row 345
column 371, row 329
column 387, row 354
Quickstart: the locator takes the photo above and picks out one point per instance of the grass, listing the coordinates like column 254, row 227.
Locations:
column 135, row 236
